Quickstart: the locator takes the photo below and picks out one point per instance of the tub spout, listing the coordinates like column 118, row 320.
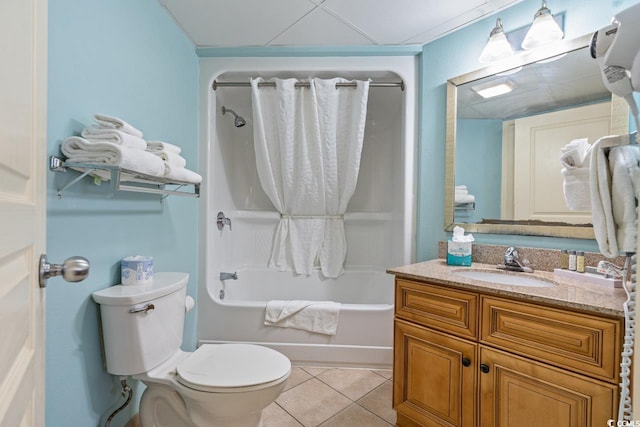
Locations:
column 227, row 276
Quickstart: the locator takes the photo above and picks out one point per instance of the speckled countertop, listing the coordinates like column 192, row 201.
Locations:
column 566, row 292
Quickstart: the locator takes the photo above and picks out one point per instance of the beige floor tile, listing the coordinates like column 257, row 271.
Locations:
column 312, row 402
column 314, row 371
column 353, row 383
column 355, row 416
column 379, row 401
column 297, row 376
column 274, row 416
column 386, row 373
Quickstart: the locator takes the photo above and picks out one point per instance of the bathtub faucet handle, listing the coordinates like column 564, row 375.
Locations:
column 227, row 276
column 222, row 220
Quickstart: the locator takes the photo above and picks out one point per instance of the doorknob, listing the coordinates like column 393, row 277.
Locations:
column 74, row 269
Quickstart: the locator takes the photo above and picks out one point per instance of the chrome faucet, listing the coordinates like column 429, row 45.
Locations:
column 228, row 276
column 512, row 261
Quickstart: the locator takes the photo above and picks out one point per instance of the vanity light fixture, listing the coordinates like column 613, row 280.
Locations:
column 544, row 29
column 494, row 88
column 497, row 47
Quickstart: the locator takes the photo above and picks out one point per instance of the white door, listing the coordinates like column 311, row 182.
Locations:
column 23, row 81
column 537, row 184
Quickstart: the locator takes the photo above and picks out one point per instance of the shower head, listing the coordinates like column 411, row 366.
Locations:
column 239, row 121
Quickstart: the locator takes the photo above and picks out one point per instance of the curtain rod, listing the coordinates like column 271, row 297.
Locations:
column 216, row 84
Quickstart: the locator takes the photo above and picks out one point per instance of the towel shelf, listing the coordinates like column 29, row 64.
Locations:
column 125, row 180
column 465, row 206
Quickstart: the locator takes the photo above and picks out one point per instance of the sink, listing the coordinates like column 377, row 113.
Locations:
column 513, row 279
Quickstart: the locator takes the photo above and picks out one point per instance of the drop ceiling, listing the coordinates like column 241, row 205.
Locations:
column 244, row 23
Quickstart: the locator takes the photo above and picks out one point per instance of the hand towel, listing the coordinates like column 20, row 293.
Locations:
column 80, row 150
column 576, row 189
column 163, row 146
column 175, row 160
column 114, row 136
column 320, row 317
column 607, row 193
column 111, row 122
column 465, row 198
column 576, row 153
column 180, row 174
column 461, row 187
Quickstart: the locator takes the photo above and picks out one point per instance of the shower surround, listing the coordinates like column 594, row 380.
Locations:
column 379, row 220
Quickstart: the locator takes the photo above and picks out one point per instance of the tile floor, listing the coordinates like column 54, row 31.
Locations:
column 333, row 397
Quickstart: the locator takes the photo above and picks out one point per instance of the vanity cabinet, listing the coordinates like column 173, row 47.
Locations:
column 465, row 358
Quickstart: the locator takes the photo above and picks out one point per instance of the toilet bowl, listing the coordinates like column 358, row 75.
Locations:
column 217, row 385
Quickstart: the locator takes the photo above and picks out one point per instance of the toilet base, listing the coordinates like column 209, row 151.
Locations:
column 163, row 406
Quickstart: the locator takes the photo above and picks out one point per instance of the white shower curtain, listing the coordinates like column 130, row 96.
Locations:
column 308, row 143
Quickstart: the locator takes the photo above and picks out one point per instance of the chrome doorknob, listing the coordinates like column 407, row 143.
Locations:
column 74, row 269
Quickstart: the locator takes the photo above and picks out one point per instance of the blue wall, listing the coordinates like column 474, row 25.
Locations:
column 127, row 59
column 456, row 54
column 479, row 150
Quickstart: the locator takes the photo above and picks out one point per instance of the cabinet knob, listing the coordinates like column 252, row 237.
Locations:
column 484, row 368
column 466, row 361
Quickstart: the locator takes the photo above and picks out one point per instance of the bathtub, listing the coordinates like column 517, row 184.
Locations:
column 364, row 337
column 379, row 221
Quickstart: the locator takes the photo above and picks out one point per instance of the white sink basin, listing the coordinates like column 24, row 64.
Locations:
column 513, row 279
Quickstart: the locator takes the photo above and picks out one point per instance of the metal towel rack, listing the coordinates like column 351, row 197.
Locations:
column 135, row 181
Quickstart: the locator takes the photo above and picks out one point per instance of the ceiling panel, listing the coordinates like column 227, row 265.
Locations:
column 236, row 23
column 321, row 28
column 393, row 22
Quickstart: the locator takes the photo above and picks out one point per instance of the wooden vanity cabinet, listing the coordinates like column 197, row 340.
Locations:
column 467, row 359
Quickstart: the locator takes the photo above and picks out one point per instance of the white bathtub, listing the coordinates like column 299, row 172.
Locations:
column 379, row 221
column 364, row 336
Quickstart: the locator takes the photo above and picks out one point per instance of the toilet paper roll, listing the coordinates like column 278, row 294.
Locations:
column 136, row 270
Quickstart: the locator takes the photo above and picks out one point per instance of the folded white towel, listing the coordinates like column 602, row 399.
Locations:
column 576, row 189
column 461, row 187
column 576, row 153
column 179, row 174
column 465, row 198
column 314, row 316
column 111, row 122
column 163, row 146
column 80, row 150
column 175, row 160
column 613, row 195
column 114, row 136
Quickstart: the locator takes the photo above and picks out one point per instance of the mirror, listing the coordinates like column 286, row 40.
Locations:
column 516, row 187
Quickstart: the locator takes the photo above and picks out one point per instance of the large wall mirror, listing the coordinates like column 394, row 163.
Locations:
column 505, row 149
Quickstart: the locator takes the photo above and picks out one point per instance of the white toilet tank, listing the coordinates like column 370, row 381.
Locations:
column 142, row 325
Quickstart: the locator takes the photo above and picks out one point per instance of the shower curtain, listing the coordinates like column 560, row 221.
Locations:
column 308, row 143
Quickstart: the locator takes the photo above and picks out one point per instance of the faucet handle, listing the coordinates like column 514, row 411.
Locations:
column 222, row 220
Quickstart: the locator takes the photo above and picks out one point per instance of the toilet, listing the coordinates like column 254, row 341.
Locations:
column 217, row 385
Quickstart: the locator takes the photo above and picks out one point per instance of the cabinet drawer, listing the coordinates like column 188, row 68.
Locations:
column 437, row 307
column 576, row 341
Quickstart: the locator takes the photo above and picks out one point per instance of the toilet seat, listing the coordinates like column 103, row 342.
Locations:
column 229, row 368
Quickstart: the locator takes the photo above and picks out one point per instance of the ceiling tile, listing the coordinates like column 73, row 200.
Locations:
column 236, row 22
column 321, row 28
column 395, row 21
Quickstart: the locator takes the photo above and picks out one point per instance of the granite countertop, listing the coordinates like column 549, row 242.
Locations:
column 566, row 292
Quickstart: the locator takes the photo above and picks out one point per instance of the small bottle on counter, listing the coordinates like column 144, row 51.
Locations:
column 580, row 262
column 572, row 261
column 564, row 259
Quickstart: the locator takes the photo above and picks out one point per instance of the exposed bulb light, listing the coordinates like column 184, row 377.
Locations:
column 494, row 88
column 544, row 29
column 497, row 47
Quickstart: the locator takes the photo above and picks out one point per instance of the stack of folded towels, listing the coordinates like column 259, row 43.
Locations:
column 112, row 141
column 462, row 195
column 575, row 159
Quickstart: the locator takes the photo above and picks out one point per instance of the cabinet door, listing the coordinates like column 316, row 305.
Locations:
column 434, row 378
column 518, row 392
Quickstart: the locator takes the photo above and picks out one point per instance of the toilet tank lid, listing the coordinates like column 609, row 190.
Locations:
column 163, row 284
